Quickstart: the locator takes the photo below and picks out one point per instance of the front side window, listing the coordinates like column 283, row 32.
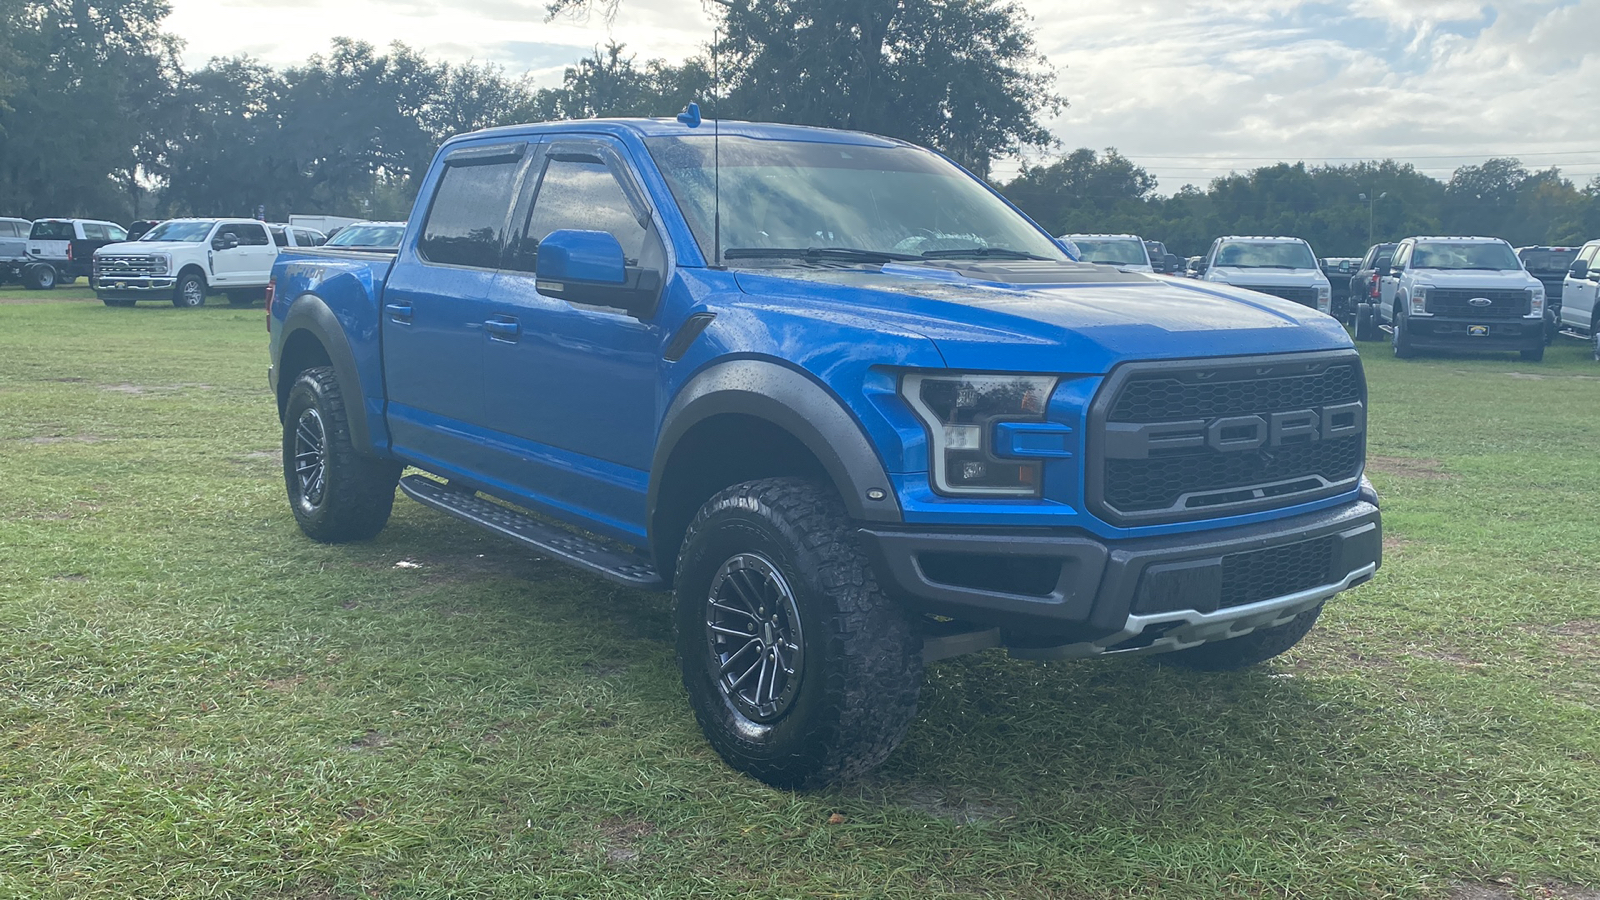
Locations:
column 1588, row 253
column 579, row 192
column 116, row 233
column 93, row 231
column 1491, row 255
column 250, row 234
column 895, row 202
column 1265, row 255
column 187, row 232
column 280, row 235
column 467, row 218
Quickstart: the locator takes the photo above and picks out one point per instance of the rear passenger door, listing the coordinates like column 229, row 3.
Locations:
column 433, row 312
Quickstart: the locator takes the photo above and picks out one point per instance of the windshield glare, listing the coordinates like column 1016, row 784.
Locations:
column 1488, row 255
column 1112, row 251
column 802, row 195
column 1274, row 255
column 188, row 232
column 383, row 236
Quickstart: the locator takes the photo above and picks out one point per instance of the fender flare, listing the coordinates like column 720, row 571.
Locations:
column 309, row 313
column 798, row 405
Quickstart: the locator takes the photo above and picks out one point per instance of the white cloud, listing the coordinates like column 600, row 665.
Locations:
column 1236, row 84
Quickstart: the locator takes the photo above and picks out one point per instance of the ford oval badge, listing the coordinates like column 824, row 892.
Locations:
column 1480, row 301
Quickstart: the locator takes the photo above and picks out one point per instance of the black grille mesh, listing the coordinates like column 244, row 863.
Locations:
column 1142, row 485
column 1263, row 574
column 1506, row 305
column 1305, row 296
column 1160, row 398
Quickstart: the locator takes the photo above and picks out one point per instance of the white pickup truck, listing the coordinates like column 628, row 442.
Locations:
column 183, row 260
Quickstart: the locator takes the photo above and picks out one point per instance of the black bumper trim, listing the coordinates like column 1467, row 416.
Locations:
column 1100, row 580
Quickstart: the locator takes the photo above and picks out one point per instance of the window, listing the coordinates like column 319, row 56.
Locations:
column 8, row 229
column 280, row 235
column 52, row 230
column 306, row 238
column 579, row 192
column 1588, row 253
column 250, row 234
column 93, row 231
column 466, row 221
column 1401, row 256
column 116, row 233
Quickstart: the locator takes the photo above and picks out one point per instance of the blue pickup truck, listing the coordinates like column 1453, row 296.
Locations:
column 859, row 412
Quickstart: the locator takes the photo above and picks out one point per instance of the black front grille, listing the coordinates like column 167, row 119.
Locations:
column 1158, row 452
column 1305, row 296
column 1143, row 485
column 1183, row 396
column 1501, row 305
column 1258, row 575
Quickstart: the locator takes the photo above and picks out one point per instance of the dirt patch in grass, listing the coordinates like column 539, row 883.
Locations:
column 128, row 387
column 372, row 740
column 618, row 836
column 1408, row 467
column 284, row 685
column 48, row 439
column 955, row 807
column 1394, row 543
column 1506, row 889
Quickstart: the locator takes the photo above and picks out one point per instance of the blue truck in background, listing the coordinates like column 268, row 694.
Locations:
column 854, row 408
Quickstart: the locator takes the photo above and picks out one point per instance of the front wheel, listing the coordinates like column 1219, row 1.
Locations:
column 337, row 494
column 1403, row 348
column 1242, row 652
column 801, row 672
column 1532, row 354
column 189, row 292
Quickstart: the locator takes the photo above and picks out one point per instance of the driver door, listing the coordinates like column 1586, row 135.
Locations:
column 1578, row 294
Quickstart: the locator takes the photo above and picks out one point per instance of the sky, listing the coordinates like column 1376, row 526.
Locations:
column 1188, row 89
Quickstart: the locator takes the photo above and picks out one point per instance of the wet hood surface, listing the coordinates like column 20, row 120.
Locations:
column 1052, row 317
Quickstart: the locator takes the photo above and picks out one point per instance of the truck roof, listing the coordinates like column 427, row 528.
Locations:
column 670, row 126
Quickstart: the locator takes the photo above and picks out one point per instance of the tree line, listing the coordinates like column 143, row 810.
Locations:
column 98, row 117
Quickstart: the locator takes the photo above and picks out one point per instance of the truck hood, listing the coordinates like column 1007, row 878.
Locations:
column 147, row 247
column 1467, row 279
column 1267, row 277
column 1052, row 317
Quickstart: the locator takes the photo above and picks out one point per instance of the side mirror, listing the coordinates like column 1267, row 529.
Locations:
column 1200, row 267
column 1384, row 269
column 588, row 267
column 225, row 241
column 1580, row 269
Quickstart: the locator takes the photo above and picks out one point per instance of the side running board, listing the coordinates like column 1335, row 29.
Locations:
column 545, row 539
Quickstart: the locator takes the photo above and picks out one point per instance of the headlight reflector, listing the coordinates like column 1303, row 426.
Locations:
column 1419, row 300
column 959, row 413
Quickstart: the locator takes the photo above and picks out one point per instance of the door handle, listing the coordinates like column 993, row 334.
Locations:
column 503, row 328
column 399, row 312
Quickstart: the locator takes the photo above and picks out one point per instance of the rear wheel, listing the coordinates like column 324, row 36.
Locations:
column 1366, row 324
column 1242, row 652
column 1594, row 334
column 40, row 277
column 190, row 291
column 337, row 494
column 801, row 672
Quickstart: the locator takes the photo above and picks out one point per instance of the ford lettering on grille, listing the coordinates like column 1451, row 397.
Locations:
column 1181, row 441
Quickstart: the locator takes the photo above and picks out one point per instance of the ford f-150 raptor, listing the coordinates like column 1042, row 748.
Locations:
column 860, row 416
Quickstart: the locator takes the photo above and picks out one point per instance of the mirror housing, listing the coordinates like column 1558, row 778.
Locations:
column 1384, row 269
column 1580, row 269
column 225, row 241
column 588, row 267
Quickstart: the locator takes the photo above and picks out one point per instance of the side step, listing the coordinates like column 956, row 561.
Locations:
column 545, row 539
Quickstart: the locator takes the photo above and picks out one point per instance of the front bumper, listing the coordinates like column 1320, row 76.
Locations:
column 134, row 288
column 1452, row 332
column 1065, row 593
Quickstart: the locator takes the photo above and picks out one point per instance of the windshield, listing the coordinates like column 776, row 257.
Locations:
column 385, row 237
column 877, row 202
column 1494, row 255
column 1550, row 262
column 1112, row 251
column 1274, row 255
column 188, row 232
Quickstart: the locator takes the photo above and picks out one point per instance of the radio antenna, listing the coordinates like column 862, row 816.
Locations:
column 716, row 152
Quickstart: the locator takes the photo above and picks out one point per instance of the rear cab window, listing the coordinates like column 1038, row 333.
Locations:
column 52, row 230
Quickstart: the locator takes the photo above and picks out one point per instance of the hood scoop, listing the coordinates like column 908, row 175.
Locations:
column 1013, row 271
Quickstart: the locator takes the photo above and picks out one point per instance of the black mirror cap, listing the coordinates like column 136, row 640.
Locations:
column 1580, row 269
column 637, row 296
column 1385, row 270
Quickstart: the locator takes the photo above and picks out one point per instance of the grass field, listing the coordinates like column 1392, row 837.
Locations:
column 198, row 702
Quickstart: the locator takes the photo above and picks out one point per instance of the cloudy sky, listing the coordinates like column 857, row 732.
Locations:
column 1190, row 89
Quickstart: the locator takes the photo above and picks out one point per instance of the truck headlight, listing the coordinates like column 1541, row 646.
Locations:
column 959, row 412
column 1324, row 298
column 163, row 264
column 1419, row 300
column 1536, row 301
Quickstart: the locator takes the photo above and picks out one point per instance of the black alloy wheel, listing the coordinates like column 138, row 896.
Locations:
column 336, row 493
column 755, row 637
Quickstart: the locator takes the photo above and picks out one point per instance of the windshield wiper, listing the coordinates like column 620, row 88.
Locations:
column 981, row 253
column 844, row 254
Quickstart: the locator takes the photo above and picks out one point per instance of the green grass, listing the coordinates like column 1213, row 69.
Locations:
column 198, row 702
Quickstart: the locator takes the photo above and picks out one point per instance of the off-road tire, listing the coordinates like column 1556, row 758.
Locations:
column 1401, row 340
column 860, row 662
column 1248, row 650
column 1366, row 323
column 40, row 278
column 1533, row 354
column 357, row 491
column 190, row 291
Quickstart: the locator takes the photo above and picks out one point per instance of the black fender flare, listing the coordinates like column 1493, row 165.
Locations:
column 798, row 405
column 309, row 313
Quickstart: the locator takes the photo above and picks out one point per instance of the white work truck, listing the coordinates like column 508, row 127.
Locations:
column 183, row 260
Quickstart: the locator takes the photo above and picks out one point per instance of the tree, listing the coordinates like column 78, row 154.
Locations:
column 1083, row 191
column 609, row 83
